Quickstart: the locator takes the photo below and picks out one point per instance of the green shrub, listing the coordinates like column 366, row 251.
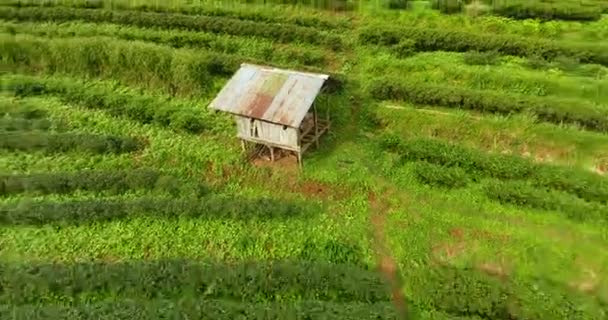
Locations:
column 405, row 48
column 440, row 176
column 181, row 71
column 17, row 124
column 332, row 251
column 87, row 211
column 144, row 109
column 564, row 10
column 64, row 142
column 549, row 109
column 191, row 308
column 83, row 283
column 448, row 6
column 481, row 58
column 529, row 195
column 117, row 181
column 397, row 4
column 278, row 32
column 254, row 14
column 428, row 39
column 471, row 293
column 586, row 185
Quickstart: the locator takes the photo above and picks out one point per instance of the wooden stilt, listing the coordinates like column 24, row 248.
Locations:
column 300, row 159
column 271, row 154
column 243, row 146
column 316, row 120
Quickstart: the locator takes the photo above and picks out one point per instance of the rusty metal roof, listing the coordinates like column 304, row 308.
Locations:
column 270, row 94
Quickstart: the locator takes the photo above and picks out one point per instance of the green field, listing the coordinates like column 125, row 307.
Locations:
column 464, row 176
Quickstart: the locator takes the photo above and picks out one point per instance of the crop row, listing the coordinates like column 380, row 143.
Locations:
column 258, row 14
column 440, row 176
column 259, row 49
column 178, row 71
column 209, row 207
column 544, row 10
column 277, row 32
column 12, row 109
column 586, row 185
column 17, row 124
column 191, row 308
column 64, row 142
column 88, row 180
column 527, row 195
column 427, row 39
column 174, row 279
column 459, row 292
column 141, row 108
column 549, row 109
column 470, row 292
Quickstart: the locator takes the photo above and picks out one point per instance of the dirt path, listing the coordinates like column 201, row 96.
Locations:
column 379, row 208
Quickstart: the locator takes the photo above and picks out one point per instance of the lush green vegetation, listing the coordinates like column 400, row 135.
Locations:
column 464, row 176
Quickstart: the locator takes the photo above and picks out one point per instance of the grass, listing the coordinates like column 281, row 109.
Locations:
column 460, row 253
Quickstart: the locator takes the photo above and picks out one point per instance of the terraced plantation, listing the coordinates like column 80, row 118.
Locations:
column 464, row 175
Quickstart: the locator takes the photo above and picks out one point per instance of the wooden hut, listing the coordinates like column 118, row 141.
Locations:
column 274, row 108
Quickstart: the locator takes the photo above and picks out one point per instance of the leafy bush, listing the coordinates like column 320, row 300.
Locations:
column 586, row 185
column 181, row 71
column 530, row 195
column 84, row 283
column 473, row 294
column 564, row 10
column 278, row 32
column 549, row 109
column 63, row 142
column 447, row 6
column 440, row 176
column 16, row 124
column 253, row 48
column 428, row 39
column 19, row 110
column 117, row 181
column 190, row 308
column 481, row 58
column 302, row 18
column 207, row 207
column 405, row 48
column 144, row 109
column 332, row 251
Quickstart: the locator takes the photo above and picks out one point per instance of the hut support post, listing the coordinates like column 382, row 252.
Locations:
column 300, row 159
column 316, row 124
column 271, row 153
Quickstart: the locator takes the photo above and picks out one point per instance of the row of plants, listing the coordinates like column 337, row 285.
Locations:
column 21, row 124
column 469, row 292
column 117, row 181
column 471, row 69
column 64, row 142
column 548, row 10
column 299, row 17
column 259, row 49
column 96, row 210
column 82, row 283
column 581, row 183
column 182, row 117
column 513, row 192
column 193, row 308
column 525, row 194
column 550, row 109
column 277, row 32
column 177, row 71
column 11, row 109
column 427, row 39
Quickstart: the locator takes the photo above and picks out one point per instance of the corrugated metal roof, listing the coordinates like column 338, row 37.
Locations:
column 270, row 94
